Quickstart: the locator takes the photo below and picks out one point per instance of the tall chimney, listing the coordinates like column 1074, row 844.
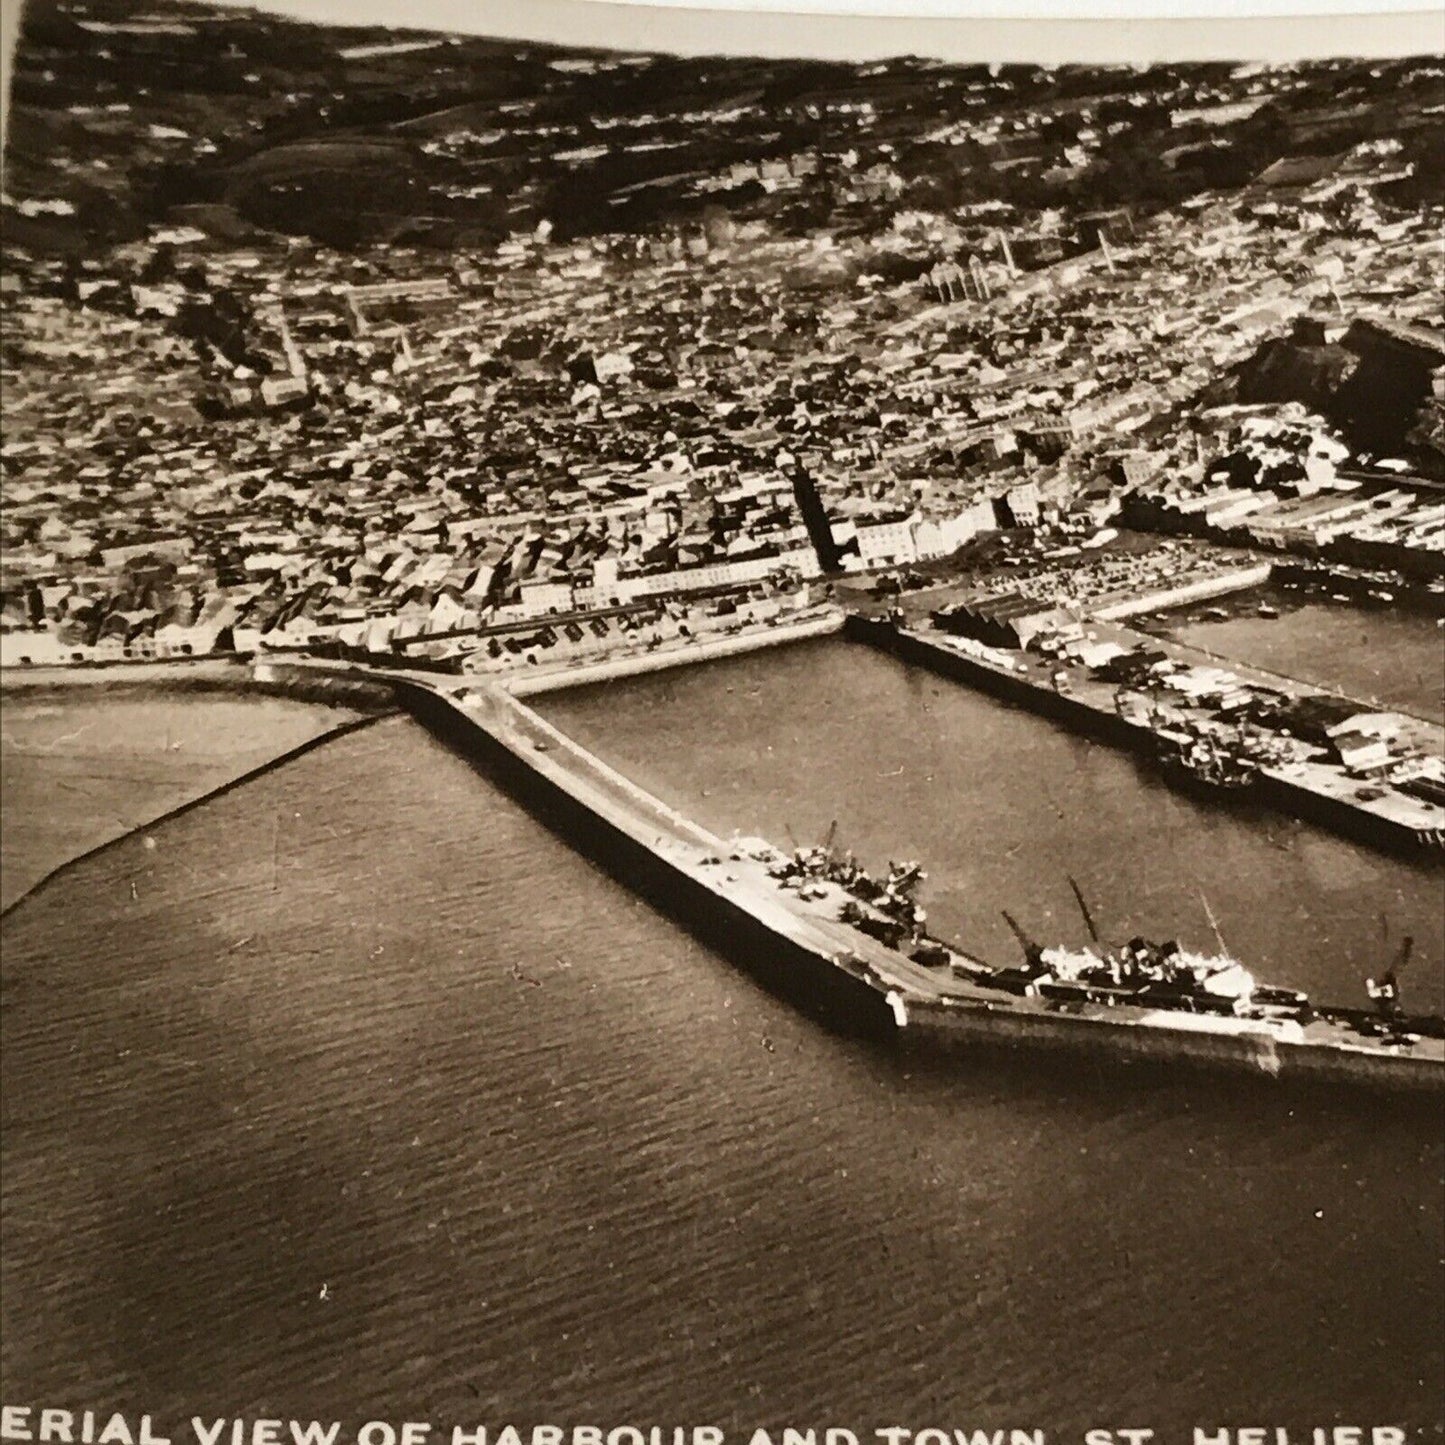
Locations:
column 815, row 519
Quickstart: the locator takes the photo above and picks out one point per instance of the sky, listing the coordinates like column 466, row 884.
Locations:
column 1095, row 30
column 968, row 30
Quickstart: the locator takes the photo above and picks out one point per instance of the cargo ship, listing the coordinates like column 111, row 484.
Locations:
column 1159, row 1000
column 1200, row 765
column 1140, row 999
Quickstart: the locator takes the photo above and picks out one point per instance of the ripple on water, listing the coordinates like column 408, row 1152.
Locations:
column 308, row 1054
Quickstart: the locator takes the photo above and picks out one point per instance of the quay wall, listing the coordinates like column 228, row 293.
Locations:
column 228, row 673
column 534, row 684
column 219, row 671
column 944, row 1030
column 1008, row 687
column 1340, row 816
column 1273, row 788
column 632, row 851
column 1241, row 579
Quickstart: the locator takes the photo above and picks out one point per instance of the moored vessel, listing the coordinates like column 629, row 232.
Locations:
column 1140, row 999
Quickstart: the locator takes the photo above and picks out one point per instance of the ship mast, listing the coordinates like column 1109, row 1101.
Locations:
column 1084, row 909
column 1214, row 924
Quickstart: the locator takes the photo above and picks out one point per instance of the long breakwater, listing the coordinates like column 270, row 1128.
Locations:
column 727, row 895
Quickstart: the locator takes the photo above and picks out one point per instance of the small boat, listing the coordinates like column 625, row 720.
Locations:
column 1202, row 763
column 931, row 954
column 1266, row 610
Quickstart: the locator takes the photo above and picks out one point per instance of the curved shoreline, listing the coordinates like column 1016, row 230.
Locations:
column 213, row 675
column 230, row 784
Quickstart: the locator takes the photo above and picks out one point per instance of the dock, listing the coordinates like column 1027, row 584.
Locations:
column 1392, row 821
column 718, row 889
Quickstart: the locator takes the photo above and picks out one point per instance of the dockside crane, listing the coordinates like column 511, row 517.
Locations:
column 1033, row 950
column 1386, row 990
column 1084, row 909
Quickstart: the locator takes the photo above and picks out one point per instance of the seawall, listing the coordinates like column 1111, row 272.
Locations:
column 1226, row 583
column 230, row 674
column 534, row 683
column 944, row 1032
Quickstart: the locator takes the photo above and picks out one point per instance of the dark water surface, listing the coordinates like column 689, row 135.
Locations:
column 1376, row 654
column 359, row 1093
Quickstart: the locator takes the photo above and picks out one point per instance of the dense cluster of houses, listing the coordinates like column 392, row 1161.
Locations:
column 1281, row 480
column 212, row 445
